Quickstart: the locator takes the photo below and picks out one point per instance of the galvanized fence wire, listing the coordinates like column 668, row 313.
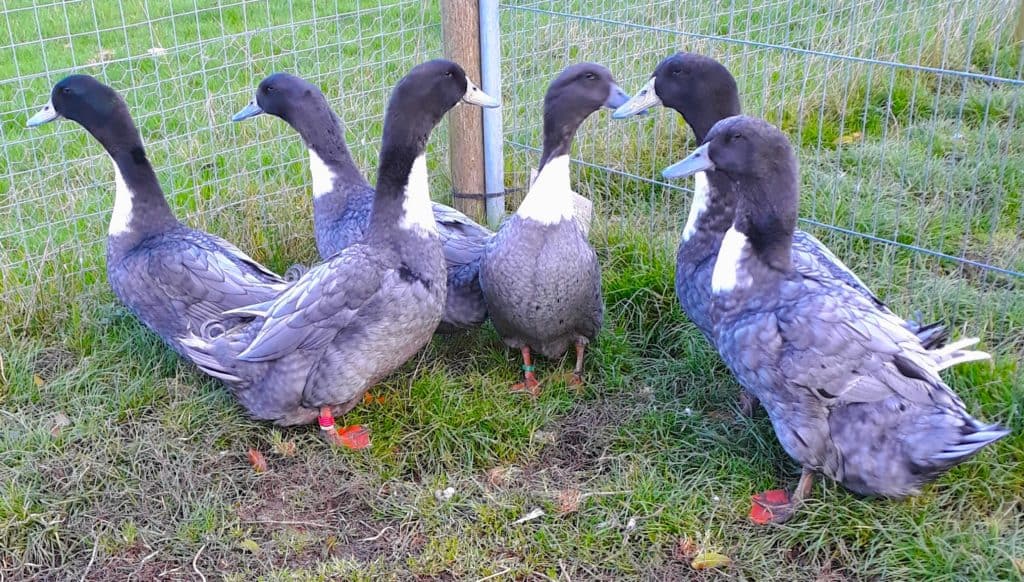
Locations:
column 905, row 116
column 184, row 68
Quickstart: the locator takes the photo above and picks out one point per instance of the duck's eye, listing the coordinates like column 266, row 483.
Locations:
column 591, row 76
column 66, row 90
column 269, row 89
column 677, row 72
column 448, row 74
column 737, row 136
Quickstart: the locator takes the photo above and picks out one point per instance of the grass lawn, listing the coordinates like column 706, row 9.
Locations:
column 118, row 460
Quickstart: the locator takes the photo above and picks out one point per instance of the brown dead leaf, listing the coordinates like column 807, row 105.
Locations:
column 58, row 422
column 285, row 448
column 706, row 560
column 848, row 138
column 1019, row 564
column 38, row 380
column 498, row 476
column 103, row 56
column 685, row 549
column 258, row 462
column 569, row 500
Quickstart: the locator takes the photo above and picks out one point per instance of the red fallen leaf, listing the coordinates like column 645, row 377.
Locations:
column 569, row 500
column 369, row 398
column 760, row 507
column 685, row 548
column 355, row 436
column 259, row 464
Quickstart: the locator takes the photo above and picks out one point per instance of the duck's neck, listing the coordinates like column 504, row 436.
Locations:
column 401, row 204
column 334, row 171
column 713, row 206
column 757, row 249
column 140, row 209
column 550, row 199
column 712, row 210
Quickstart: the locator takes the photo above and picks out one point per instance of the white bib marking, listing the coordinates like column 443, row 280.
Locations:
column 550, row 199
column 729, row 273
column 418, row 210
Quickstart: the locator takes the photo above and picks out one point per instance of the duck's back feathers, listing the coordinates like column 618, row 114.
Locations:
column 182, row 279
column 852, row 392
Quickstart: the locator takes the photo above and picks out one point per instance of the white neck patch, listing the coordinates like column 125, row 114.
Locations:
column 323, row 177
column 729, row 273
column 121, row 217
column 417, row 208
column 550, row 199
column 701, row 190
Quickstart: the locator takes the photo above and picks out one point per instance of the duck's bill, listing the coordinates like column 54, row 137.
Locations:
column 645, row 99
column 251, row 110
column 616, row 97
column 698, row 161
column 45, row 115
column 475, row 96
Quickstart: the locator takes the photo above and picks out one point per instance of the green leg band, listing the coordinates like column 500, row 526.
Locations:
column 527, row 368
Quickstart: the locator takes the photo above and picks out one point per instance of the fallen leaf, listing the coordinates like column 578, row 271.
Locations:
column 705, row 560
column 355, row 436
column 38, row 380
column 685, row 549
column 569, row 501
column 444, row 495
column 369, row 398
column 249, row 545
column 1019, row 564
column 760, row 505
column 285, row 448
column 103, row 56
column 534, row 514
column 498, row 476
column 545, row 436
column 849, row 138
column 60, row 420
column 259, row 464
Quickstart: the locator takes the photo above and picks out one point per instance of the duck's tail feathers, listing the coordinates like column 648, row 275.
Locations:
column 976, row 436
column 295, row 272
column 957, row 353
column 200, row 352
column 933, row 335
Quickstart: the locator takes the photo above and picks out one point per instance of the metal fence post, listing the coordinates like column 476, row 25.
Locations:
column 490, row 70
column 460, row 25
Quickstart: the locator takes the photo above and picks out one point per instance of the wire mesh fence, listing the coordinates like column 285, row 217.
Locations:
column 905, row 116
column 184, row 68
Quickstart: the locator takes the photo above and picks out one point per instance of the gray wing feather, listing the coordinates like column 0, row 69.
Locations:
column 315, row 308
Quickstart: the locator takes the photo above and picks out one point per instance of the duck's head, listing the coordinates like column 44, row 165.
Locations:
column 584, row 88
column 698, row 87
column 83, row 99
column 759, row 160
column 94, row 106
column 285, row 96
column 436, row 86
column 578, row 91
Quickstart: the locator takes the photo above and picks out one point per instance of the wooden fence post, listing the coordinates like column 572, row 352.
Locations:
column 460, row 24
